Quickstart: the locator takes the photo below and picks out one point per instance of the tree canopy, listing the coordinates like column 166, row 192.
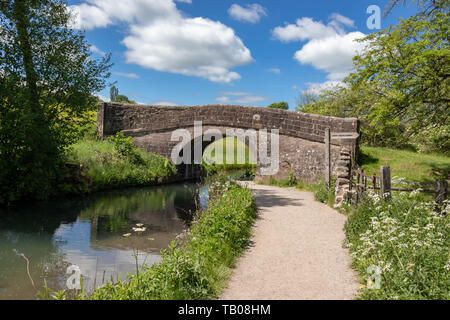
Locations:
column 47, row 77
column 279, row 105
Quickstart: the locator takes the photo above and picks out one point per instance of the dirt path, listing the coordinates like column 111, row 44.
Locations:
column 296, row 251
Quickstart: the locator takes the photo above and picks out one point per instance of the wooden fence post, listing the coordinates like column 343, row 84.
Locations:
column 386, row 183
column 328, row 157
column 365, row 181
column 441, row 193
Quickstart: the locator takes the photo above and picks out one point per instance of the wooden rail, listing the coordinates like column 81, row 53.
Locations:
column 363, row 182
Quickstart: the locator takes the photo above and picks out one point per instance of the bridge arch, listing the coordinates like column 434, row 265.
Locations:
column 301, row 135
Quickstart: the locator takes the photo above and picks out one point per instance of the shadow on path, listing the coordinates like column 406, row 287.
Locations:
column 270, row 198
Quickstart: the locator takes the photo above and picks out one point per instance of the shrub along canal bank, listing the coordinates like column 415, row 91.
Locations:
column 114, row 163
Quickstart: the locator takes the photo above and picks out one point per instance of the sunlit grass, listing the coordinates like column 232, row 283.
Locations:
column 412, row 166
column 106, row 168
column 228, row 154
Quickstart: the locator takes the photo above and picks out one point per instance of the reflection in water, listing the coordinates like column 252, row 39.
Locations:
column 89, row 233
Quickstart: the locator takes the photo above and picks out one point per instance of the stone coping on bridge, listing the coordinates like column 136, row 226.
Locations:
column 139, row 119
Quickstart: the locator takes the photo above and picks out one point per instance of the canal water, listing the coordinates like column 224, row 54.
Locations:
column 96, row 234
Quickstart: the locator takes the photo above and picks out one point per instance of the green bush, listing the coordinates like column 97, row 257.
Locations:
column 115, row 164
column 322, row 193
column 197, row 265
column 407, row 241
column 279, row 105
column 126, row 148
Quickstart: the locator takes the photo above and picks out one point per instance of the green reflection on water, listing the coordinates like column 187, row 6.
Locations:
column 88, row 232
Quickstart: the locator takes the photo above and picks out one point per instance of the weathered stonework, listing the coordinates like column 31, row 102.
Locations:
column 343, row 175
column 301, row 135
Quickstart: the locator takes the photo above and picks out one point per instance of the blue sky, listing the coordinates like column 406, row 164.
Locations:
column 191, row 52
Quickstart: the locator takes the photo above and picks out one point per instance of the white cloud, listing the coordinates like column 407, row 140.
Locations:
column 239, row 97
column 128, row 75
column 195, row 47
column 235, row 93
column 164, row 103
column 304, row 29
column 161, row 38
column 94, row 49
column 337, row 19
column 101, row 13
column 252, row 13
column 89, row 17
column 274, row 70
column 329, row 47
column 333, row 55
column 316, row 88
column 185, row 1
column 103, row 98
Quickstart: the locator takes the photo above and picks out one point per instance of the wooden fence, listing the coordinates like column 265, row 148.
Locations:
column 362, row 182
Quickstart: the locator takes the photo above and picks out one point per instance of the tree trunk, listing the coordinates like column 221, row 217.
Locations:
column 21, row 15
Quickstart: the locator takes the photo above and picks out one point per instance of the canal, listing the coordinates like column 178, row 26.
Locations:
column 104, row 235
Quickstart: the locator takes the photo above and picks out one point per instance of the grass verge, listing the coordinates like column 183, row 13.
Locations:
column 197, row 265
column 410, row 165
column 216, row 160
column 116, row 163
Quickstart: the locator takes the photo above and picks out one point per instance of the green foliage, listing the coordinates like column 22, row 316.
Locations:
column 322, row 193
column 279, row 105
column 117, row 164
column 198, row 264
column 292, row 179
column 407, row 241
column 116, row 97
column 124, row 99
column 113, row 93
column 290, row 182
column 213, row 163
column 46, row 79
column 410, row 165
column 410, row 63
column 126, row 148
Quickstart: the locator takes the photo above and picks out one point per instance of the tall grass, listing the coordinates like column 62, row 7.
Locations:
column 410, row 165
column 107, row 165
column 215, row 163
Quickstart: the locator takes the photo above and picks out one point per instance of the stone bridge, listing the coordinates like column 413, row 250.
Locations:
column 301, row 135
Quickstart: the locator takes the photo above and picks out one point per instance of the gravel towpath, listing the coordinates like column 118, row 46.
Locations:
column 296, row 251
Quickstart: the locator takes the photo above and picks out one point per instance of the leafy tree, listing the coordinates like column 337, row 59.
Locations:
column 410, row 64
column 116, row 97
column 425, row 6
column 46, row 79
column 113, row 93
column 378, row 126
column 280, row 105
column 124, row 99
